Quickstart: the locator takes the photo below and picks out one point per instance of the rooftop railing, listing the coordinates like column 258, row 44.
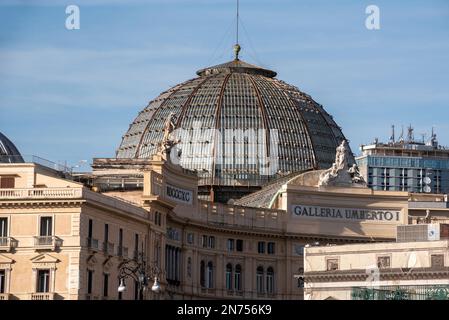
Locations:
column 40, row 193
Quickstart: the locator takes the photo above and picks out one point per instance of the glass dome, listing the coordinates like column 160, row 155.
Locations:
column 240, row 127
column 8, row 151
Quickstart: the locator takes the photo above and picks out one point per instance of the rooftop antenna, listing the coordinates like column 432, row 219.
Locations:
column 423, row 135
column 392, row 140
column 410, row 137
column 401, row 137
column 237, row 46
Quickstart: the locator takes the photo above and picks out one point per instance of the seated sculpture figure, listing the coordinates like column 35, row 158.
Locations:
column 340, row 173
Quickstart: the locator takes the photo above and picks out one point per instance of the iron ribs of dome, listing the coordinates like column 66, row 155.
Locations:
column 237, row 95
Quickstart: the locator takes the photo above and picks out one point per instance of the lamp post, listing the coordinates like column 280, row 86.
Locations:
column 142, row 274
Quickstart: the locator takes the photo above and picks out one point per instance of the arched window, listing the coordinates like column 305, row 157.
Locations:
column 238, row 278
column 229, row 276
column 259, row 279
column 202, row 274
column 270, row 280
column 210, row 275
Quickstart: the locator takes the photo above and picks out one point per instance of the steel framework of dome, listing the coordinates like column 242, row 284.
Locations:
column 8, row 151
column 237, row 95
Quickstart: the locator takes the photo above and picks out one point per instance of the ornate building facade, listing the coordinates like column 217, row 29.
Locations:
column 214, row 216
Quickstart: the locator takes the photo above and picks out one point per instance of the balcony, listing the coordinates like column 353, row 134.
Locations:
column 5, row 296
column 93, row 244
column 7, row 244
column 108, row 248
column 41, row 193
column 122, row 252
column 43, row 296
column 47, row 243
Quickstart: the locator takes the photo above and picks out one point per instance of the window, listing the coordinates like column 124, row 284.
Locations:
column 90, row 280
column 437, row 260
column 238, row 278
column 190, row 238
column 270, row 248
column 157, row 218
column 204, row 241
column 43, row 280
column 212, row 242
column 7, row 182
column 332, row 264
column 239, row 245
column 105, row 284
column 136, row 290
column 3, row 231
column 120, row 240
column 106, row 233
column 202, row 274
column 230, row 244
column 136, row 245
column 383, row 262
column 229, row 276
column 259, row 279
column 261, row 247
column 270, row 280
column 210, row 274
column 46, row 227
column 299, row 249
column 2, row 281
column 90, row 232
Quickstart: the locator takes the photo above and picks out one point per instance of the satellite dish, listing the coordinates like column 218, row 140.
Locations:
column 427, row 189
column 427, row 180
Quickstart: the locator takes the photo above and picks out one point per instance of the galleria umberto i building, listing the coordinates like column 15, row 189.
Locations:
column 214, row 214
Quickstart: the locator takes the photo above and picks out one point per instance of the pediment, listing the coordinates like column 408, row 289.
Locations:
column 44, row 258
column 108, row 264
column 91, row 261
column 5, row 260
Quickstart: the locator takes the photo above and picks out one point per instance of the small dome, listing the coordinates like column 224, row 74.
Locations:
column 8, row 151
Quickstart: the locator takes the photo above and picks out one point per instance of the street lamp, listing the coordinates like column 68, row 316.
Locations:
column 137, row 270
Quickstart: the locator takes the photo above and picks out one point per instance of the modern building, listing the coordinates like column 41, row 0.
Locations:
column 413, row 268
column 406, row 165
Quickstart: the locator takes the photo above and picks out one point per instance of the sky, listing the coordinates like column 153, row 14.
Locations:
column 70, row 95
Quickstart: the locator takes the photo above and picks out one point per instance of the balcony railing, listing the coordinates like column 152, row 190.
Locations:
column 47, row 242
column 41, row 193
column 5, row 296
column 91, row 297
column 423, row 292
column 122, row 251
column 7, row 243
column 93, row 244
column 108, row 248
column 43, row 296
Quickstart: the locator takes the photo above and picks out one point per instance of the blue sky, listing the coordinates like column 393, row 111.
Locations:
column 70, row 95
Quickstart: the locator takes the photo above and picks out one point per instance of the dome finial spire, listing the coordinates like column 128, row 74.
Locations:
column 237, row 46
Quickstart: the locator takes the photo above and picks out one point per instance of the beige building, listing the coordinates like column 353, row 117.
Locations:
column 414, row 270
column 60, row 240
column 69, row 242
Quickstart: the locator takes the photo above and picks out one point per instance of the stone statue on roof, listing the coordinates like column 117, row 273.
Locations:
column 168, row 141
column 340, row 174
